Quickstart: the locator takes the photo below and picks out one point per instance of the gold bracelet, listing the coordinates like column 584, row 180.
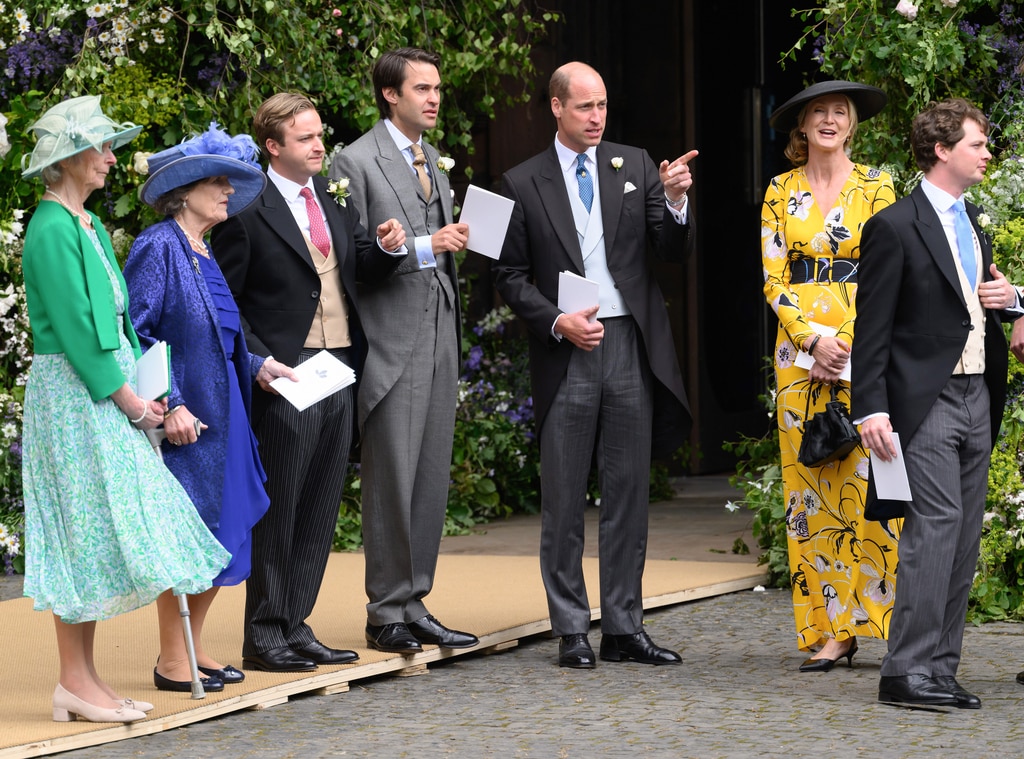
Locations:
column 170, row 411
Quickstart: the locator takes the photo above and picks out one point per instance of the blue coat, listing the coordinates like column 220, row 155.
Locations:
column 170, row 301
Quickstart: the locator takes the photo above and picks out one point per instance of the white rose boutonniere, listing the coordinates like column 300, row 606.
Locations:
column 984, row 220
column 617, row 162
column 445, row 164
column 338, row 189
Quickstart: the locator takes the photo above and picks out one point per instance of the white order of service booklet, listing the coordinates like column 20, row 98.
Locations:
column 319, row 377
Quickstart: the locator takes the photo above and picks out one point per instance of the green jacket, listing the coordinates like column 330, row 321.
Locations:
column 70, row 300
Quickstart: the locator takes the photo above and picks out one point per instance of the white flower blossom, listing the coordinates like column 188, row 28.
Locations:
column 907, row 9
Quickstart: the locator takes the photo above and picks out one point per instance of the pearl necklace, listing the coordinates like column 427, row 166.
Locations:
column 83, row 217
column 197, row 246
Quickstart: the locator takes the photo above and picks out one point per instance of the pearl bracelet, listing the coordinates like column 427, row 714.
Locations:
column 145, row 410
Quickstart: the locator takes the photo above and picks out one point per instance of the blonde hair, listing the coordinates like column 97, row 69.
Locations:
column 275, row 112
column 796, row 150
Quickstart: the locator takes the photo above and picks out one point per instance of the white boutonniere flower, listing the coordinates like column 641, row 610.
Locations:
column 617, row 162
column 445, row 164
column 984, row 220
column 338, row 189
column 140, row 162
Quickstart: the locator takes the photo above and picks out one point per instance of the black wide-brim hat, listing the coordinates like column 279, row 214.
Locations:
column 866, row 99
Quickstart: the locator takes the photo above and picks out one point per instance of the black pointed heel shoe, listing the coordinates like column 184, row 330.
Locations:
column 824, row 665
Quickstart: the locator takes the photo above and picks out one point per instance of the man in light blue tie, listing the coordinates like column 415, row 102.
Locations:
column 605, row 379
column 929, row 363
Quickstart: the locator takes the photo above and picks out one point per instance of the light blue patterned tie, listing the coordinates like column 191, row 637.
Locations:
column 965, row 241
column 586, row 183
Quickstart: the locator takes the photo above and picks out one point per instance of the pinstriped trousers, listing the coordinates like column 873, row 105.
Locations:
column 305, row 455
column 604, row 405
column 947, row 464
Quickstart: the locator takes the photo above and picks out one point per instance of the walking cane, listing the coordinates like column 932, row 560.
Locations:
column 156, row 436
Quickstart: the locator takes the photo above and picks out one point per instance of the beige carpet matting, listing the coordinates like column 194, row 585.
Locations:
column 499, row 598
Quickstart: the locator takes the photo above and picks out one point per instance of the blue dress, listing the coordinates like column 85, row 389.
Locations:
column 245, row 500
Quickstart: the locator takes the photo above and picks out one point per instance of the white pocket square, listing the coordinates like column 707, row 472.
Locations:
column 628, row 188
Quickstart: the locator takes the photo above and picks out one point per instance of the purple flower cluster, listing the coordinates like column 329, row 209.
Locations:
column 39, row 61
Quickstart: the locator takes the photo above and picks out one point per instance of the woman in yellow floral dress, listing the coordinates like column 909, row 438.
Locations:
column 843, row 567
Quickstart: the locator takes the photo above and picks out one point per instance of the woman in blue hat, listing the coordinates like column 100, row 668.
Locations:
column 178, row 295
column 108, row 528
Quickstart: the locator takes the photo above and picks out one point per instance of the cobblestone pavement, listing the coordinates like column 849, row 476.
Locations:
column 737, row 694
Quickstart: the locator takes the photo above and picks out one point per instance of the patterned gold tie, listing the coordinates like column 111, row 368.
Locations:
column 419, row 161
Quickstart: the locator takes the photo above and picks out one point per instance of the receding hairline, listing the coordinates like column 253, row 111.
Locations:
column 561, row 79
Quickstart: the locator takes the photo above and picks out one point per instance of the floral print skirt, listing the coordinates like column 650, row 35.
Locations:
column 843, row 566
column 107, row 526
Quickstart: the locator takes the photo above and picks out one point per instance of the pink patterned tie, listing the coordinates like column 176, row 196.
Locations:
column 317, row 230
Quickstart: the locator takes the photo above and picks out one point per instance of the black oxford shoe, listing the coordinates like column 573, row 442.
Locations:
column 964, row 698
column 574, row 651
column 638, row 647
column 322, row 654
column 429, row 630
column 394, row 638
column 281, row 659
column 914, row 690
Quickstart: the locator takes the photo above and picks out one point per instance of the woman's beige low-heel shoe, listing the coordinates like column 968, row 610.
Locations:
column 141, row 706
column 67, row 707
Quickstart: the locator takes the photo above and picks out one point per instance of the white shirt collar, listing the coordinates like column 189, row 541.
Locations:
column 567, row 156
column 941, row 200
column 288, row 188
column 401, row 141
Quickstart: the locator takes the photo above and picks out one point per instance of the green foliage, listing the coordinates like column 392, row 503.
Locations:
column 759, row 477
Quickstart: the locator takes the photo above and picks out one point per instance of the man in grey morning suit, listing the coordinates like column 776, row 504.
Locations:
column 409, row 389
column 597, row 385
column 929, row 363
column 292, row 260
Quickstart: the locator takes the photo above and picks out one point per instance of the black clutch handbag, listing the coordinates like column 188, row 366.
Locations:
column 829, row 435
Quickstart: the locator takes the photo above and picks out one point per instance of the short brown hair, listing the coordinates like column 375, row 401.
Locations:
column 389, row 71
column 276, row 111
column 942, row 123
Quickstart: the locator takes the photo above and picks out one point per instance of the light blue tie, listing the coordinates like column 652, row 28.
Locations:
column 585, row 182
column 965, row 241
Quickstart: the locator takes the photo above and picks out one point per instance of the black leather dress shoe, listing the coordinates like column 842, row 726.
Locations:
column 1020, row 678
column 226, row 674
column 575, row 651
column 281, row 659
column 638, row 647
column 914, row 690
column 322, row 654
column 964, row 698
column 394, row 638
column 429, row 630
column 210, row 684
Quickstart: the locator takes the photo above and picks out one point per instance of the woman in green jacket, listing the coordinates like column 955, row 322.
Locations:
column 107, row 527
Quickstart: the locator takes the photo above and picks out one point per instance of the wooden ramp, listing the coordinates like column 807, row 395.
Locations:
column 499, row 598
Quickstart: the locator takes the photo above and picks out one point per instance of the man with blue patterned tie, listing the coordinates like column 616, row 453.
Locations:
column 603, row 375
column 929, row 363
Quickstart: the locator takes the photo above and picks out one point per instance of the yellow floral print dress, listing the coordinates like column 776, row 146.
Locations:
column 843, row 567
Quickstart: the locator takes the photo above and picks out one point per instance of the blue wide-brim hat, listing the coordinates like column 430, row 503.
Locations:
column 866, row 99
column 214, row 153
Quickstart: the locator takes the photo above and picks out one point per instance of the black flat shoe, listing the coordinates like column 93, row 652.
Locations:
column 914, row 690
column 638, row 647
column 574, row 651
column 210, row 684
column 824, row 665
column 280, row 659
column 429, row 630
column 226, row 674
column 394, row 638
column 322, row 654
column 964, row 698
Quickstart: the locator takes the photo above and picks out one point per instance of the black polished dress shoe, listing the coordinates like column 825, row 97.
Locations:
column 210, row 684
column 914, row 690
column 638, row 647
column 394, row 638
column 429, row 630
column 964, row 698
column 1020, row 678
column 824, row 665
column 280, row 659
column 575, row 651
column 322, row 654
column 226, row 674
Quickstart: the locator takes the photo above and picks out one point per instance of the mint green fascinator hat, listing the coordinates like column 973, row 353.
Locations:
column 71, row 127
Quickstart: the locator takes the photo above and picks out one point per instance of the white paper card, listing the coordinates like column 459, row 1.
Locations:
column 153, row 372
column 576, row 293
column 487, row 215
column 319, row 377
column 891, row 481
column 805, row 360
